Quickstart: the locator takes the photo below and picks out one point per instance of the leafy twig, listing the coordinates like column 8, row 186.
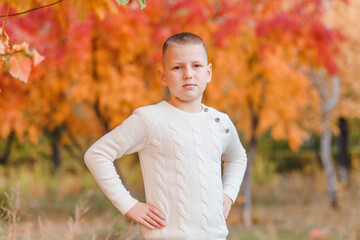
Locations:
column 3, row 26
column 30, row 10
column 7, row 54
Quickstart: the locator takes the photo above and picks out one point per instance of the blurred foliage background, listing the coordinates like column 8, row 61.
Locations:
column 286, row 72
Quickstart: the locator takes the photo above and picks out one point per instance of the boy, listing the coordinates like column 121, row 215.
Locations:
column 180, row 143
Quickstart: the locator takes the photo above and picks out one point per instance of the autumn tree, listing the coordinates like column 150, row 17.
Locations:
column 269, row 85
column 347, row 62
column 88, row 73
column 15, row 58
column 101, row 67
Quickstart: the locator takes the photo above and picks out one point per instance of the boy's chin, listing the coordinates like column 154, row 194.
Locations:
column 189, row 97
column 188, row 100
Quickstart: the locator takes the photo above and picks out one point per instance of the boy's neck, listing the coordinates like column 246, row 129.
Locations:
column 191, row 107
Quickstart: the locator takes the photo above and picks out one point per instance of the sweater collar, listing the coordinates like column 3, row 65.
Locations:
column 184, row 113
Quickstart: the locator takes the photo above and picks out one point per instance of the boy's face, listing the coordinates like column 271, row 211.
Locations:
column 185, row 72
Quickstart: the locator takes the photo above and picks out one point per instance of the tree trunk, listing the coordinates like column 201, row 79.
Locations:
column 344, row 156
column 247, row 184
column 5, row 157
column 326, row 159
column 104, row 120
column 97, row 108
column 329, row 91
column 55, row 137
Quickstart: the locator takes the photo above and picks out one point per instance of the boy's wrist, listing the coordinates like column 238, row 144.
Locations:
column 232, row 201
column 229, row 195
column 127, row 203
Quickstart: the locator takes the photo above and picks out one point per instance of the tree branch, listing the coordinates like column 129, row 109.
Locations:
column 3, row 26
column 9, row 54
column 30, row 10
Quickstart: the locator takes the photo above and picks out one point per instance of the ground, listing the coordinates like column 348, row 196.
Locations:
column 71, row 206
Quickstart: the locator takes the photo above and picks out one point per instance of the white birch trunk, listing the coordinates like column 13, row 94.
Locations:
column 326, row 159
column 329, row 92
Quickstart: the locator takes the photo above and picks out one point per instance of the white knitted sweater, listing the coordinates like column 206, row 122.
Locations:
column 180, row 155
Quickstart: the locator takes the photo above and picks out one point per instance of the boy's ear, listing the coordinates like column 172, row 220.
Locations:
column 209, row 71
column 162, row 77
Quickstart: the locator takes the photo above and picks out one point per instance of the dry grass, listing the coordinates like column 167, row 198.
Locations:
column 292, row 206
column 11, row 213
column 296, row 206
column 79, row 226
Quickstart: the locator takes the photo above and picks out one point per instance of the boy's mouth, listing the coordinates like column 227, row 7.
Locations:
column 189, row 85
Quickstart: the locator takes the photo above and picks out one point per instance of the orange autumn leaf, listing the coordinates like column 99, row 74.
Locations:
column 20, row 67
column 37, row 57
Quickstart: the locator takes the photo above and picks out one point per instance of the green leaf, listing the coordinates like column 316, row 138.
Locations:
column 122, row 2
column 7, row 61
column 142, row 4
column 27, row 53
column 252, row 4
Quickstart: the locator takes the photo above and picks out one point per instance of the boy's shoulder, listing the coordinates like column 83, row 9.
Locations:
column 216, row 113
column 151, row 109
column 213, row 110
column 150, row 112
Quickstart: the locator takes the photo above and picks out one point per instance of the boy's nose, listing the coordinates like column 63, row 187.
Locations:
column 187, row 74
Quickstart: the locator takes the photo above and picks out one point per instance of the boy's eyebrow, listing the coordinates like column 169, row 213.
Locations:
column 195, row 61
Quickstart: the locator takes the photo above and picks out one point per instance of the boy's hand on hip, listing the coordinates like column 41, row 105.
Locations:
column 147, row 215
column 227, row 205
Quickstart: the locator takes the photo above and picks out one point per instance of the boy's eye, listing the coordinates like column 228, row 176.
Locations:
column 197, row 65
column 177, row 67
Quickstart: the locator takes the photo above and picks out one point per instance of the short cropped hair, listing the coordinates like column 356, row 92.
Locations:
column 183, row 38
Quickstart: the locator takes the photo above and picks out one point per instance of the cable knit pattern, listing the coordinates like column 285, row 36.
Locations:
column 180, row 156
column 159, row 165
column 183, row 195
column 202, row 165
column 217, row 169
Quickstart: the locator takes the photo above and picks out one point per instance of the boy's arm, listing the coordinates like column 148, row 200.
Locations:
column 127, row 138
column 235, row 162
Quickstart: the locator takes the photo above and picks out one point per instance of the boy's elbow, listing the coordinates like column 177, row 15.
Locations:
column 87, row 157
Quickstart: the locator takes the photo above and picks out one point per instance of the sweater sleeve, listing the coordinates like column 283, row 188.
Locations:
column 127, row 138
column 235, row 161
